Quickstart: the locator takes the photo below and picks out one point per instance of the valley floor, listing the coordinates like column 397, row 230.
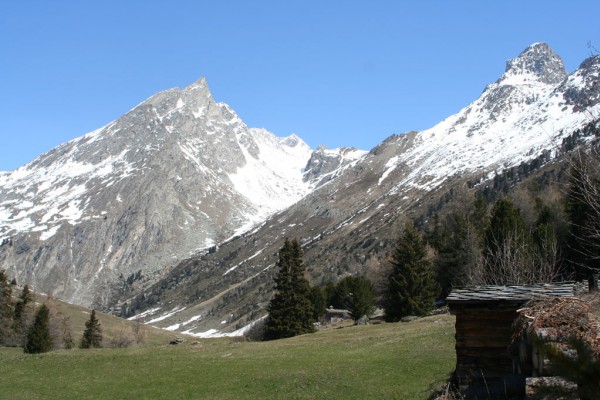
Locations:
column 388, row 361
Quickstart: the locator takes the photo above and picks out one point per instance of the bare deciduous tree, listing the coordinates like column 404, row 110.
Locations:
column 518, row 262
column 584, row 198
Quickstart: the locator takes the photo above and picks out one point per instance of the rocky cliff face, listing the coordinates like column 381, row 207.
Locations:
column 537, row 63
column 177, row 174
column 349, row 222
column 325, row 164
column 582, row 90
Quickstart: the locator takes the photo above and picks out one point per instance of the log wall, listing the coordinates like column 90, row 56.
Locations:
column 484, row 355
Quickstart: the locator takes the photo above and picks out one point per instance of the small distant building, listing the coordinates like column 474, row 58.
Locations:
column 485, row 359
column 333, row 316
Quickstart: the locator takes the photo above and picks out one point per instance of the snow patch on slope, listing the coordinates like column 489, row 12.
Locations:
column 41, row 197
column 273, row 180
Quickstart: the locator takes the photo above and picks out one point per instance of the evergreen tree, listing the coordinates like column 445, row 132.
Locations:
column 479, row 218
column 22, row 314
column 436, row 237
column 411, row 287
column 550, row 235
column 355, row 294
column 577, row 212
column 39, row 339
column 456, row 253
column 290, row 310
column 24, row 299
column 329, row 293
column 584, row 222
column 317, row 299
column 6, row 311
column 507, row 246
column 92, row 335
column 505, row 221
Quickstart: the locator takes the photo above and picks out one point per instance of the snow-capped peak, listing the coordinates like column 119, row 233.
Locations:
column 524, row 112
column 537, row 63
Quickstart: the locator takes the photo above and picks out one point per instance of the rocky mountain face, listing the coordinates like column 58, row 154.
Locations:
column 325, row 164
column 174, row 213
column 176, row 175
column 349, row 222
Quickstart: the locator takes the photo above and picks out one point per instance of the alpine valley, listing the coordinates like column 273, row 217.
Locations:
column 173, row 214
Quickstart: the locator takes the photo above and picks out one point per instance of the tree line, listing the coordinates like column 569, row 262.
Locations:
column 524, row 241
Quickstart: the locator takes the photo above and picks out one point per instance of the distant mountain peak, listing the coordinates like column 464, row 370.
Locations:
column 198, row 89
column 194, row 98
column 292, row 141
column 200, row 83
column 537, row 63
column 590, row 63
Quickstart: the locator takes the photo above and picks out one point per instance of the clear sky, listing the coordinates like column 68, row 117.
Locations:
column 339, row 73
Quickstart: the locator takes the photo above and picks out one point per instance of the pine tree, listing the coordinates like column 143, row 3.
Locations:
column 508, row 247
column 355, row 294
column 24, row 299
column 290, row 310
column 505, row 221
column 6, row 311
column 22, row 314
column 479, row 218
column 584, row 222
column 456, row 253
column 39, row 339
column 329, row 293
column 550, row 234
column 317, row 299
column 411, row 287
column 92, row 335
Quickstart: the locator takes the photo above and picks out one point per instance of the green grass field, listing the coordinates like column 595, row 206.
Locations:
column 387, row 361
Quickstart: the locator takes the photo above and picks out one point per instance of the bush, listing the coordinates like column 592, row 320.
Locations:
column 128, row 336
column 121, row 339
column 257, row 330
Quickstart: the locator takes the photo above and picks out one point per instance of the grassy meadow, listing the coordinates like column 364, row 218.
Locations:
column 386, row 361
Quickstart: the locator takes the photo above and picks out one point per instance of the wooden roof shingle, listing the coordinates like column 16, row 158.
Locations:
column 509, row 293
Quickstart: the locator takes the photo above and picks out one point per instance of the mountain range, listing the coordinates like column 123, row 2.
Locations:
column 173, row 213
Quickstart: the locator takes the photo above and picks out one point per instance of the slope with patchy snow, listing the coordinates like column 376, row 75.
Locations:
column 177, row 174
column 347, row 223
column 523, row 113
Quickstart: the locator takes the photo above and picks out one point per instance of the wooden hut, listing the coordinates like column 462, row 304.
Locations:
column 484, row 327
column 333, row 316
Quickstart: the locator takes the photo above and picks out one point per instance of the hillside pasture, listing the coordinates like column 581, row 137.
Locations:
column 391, row 361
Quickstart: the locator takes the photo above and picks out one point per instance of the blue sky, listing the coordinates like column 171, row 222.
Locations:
column 339, row 73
